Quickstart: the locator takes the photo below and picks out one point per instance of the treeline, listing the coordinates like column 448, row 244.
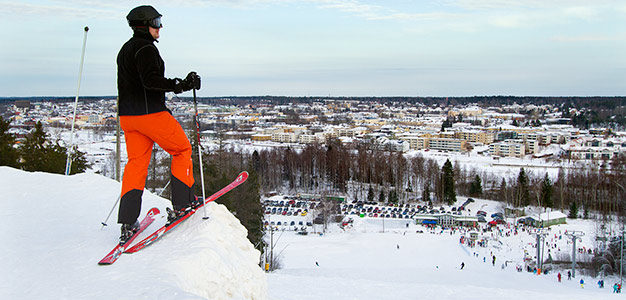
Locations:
column 37, row 152
column 365, row 172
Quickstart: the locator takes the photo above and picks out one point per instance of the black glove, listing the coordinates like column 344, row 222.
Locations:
column 178, row 85
column 192, row 81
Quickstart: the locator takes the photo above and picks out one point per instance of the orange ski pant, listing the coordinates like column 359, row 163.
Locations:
column 141, row 132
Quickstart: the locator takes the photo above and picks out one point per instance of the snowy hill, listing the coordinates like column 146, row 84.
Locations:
column 52, row 240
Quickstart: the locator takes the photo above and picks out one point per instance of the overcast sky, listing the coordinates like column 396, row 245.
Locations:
column 327, row 47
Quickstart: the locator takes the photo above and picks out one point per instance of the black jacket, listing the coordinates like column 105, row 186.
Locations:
column 141, row 84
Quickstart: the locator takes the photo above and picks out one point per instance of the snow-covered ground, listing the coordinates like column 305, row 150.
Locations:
column 364, row 263
column 52, row 241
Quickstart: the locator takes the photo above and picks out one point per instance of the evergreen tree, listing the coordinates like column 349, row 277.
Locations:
column 522, row 193
column 476, row 188
column 244, row 201
column 39, row 154
column 370, row 194
column 393, row 196
column 33, row 150
column 9, row 156
column 426, row 192
column 381, row 196
column 546, row 192
column 449, row 194
column 573, row 211
column 502, row 192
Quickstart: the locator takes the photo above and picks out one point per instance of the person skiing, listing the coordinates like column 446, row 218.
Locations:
column 569, row 275
column 145, row 119
column 462, row 265
column 559, row 276
column 582, row 283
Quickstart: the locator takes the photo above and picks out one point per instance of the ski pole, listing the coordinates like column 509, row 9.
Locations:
column 112, row 208
column 68, row 164
column 195, row 107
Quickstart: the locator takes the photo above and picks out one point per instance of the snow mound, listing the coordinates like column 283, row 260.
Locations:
column 52, row 240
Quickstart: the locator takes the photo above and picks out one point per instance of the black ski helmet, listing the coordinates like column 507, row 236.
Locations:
column 144, row 15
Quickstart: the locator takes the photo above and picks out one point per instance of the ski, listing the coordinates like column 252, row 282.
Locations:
column 243, row 176
column 119, row 249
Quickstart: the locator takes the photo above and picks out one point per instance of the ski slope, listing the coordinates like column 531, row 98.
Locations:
column 415, row 262
column 52, row 241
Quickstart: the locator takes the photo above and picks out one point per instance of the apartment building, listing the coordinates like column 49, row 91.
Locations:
column 476, row 136
column 319, row 137
column 592, row 148
column 415, row 142
column 284, row 137
column 447, row 144
column 507, row 149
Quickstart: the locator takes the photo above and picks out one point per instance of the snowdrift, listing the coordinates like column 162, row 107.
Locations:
column 52, row 240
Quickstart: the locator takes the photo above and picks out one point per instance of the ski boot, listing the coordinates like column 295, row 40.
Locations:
column 196, row 202
column 175, row 214
column 128, row 230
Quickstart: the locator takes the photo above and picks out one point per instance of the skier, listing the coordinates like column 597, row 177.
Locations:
column 145, row 119
column 559, row 276
column 462, row 265
column 582, row 283
column 600, row 284
column 615, row 288
column 493, row 261
column 569, row 275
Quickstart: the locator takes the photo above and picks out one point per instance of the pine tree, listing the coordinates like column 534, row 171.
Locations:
column 381, row 196
column 546, row 192
column 522, row 193
column 370, row 194
column 393, row 196
column 573, row 211
column 502, row 193
column 449, row 194
column 476, row 188
column 33, row 150
column 39, row 154
column 9, row 156
column 426, row 193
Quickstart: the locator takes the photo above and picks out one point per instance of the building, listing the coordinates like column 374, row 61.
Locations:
column 284, row 137
column 476, row 136
column 506, row 149
column 261, row 137
column 447, row 144
column 548, row 219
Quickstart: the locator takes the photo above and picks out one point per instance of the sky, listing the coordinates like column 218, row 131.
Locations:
column 327, row 47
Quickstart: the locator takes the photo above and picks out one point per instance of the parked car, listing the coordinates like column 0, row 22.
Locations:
column 481, row 213
column 500, row 215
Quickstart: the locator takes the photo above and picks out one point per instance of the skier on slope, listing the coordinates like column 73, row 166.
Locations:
column 145, row 119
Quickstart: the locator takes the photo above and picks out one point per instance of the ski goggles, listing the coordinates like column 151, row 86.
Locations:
column 155, row 23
